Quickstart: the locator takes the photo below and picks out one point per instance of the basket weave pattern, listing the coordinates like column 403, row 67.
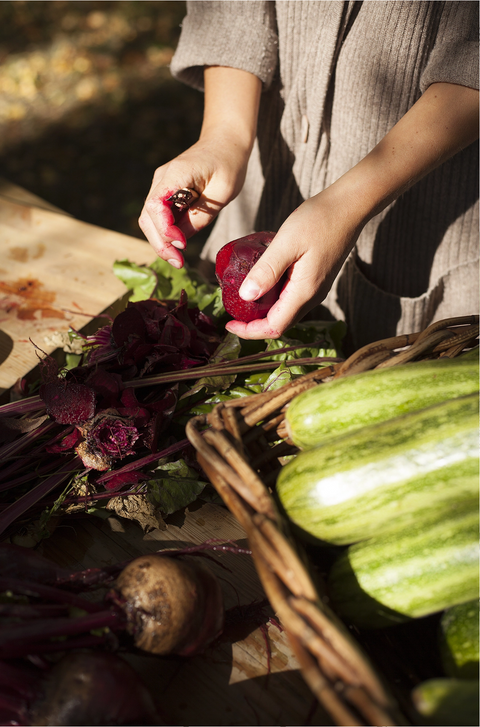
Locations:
column 240, row 445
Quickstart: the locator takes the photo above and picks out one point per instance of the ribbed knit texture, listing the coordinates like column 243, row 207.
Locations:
column 243, row 31
column 337, row 76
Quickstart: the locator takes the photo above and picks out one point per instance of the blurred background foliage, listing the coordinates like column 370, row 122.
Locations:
column 88, row 108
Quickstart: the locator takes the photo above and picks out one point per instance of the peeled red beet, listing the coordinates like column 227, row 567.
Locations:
column 234, row 262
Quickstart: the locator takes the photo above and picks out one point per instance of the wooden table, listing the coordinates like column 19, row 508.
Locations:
column 56, row 273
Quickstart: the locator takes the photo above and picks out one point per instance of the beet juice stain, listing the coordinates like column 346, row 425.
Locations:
column 33, row 299
column 24, row 254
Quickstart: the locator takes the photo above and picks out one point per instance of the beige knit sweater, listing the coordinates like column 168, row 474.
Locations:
column 337, row 76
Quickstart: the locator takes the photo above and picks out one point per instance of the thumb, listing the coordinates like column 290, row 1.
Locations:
column 198, row 215
column 267, row 271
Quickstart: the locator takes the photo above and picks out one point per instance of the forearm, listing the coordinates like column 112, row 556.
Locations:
column 215, row 166
column 232, row 99
column 316, row 238
column 442, row 122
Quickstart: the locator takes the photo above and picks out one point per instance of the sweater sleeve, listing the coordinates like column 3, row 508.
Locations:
column 236, row 34
column 455, row 55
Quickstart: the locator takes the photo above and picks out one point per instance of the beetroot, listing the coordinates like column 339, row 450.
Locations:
column 168, row 604
column 85, row 687
column 234, row 262
column 172, row 605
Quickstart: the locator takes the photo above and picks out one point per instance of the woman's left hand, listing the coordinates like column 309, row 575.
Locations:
column 312, row 245
column 316, row 238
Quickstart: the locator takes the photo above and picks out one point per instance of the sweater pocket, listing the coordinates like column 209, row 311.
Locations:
column 372, row 314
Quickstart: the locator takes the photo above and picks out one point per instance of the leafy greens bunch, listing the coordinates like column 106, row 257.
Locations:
column 111, row 421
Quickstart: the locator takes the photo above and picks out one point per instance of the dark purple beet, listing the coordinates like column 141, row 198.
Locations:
column 85, row 687
column 234, row 262
column 93, row 688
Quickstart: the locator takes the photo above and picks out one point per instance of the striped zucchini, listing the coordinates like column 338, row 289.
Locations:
column 363, row 483
column 409, row 573
column 459, row 640
column 447, row 702
column 349, row 403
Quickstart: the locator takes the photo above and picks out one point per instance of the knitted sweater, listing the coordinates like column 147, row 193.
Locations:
column 336, row 77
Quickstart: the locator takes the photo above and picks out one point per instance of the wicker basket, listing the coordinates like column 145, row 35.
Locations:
column 240, row 446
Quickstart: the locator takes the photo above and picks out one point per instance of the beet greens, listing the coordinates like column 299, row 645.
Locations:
column 113, row 424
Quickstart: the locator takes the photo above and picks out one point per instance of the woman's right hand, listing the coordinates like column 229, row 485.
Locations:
column 213, row 172
column 214, row 167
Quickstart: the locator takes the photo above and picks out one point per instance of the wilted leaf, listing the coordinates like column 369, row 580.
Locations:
column 140, row 509
column 174, row 486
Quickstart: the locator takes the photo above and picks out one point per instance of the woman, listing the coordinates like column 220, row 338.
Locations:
column 348, row 127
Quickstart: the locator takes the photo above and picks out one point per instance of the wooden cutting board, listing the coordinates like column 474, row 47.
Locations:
column 55, row 273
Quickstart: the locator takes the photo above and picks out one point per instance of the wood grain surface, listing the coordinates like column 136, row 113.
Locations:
column 55, row 273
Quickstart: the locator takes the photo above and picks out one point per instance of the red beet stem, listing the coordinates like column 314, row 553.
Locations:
column 44, row 629
column 39, row 451
column 90, row 578
column 18, row 508
column 215, row 545
column 14, row 448
column 26, row 564
column 38, row 590
column 33, row 474
column 143, row 461
column 21, row 649
column 26, row 611
column 235, row 366
column 24, row 406
column 26, row 571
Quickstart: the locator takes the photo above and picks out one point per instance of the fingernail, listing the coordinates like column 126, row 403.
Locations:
column 175, row 263
column 249, row 290
column 178, row 244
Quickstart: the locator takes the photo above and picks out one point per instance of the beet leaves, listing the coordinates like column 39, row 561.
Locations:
column 113, row 425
